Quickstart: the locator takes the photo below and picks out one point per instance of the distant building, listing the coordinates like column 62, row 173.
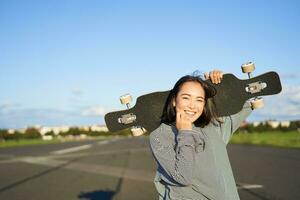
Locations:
column 60, row 129
column 98, row 128
column 84, row 128
column 273, row 123
column 22, row 130
column 11, row 131
column 285, row 124
column 44, row 130
column 256, row 124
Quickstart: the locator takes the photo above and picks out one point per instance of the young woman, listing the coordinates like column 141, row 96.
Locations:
column 190, row 145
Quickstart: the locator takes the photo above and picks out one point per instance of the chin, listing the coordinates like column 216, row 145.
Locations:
column 195, row 119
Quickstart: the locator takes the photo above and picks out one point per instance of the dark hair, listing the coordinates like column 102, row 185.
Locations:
column 209, row 111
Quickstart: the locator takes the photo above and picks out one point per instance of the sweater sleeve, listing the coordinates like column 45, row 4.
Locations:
column 232, row 123
column 177, row 162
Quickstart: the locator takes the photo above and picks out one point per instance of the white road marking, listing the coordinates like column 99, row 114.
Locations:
column 103, row 142
column 79, row 148
column 73, row 149
column 249, row 186
column 21, row 159
column 108, row 141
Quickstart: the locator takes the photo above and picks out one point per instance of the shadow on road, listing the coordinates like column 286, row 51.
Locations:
column 101, row 194
column 95, row 195
column 20, row 182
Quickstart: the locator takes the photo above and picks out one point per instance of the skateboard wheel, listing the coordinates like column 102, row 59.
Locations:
column 257, row 103
column 126, row 99
column 248, row 67
column 137, row 131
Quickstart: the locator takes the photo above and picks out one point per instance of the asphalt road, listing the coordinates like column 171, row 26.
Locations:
column 123, row 169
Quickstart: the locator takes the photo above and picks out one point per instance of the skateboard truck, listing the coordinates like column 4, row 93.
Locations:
column 130, row 118
column 255, row 87
column 127, row 119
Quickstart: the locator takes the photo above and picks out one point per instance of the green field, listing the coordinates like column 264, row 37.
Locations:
column 26, row 142
column 279, row 139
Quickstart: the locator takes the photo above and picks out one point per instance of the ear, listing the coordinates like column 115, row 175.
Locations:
column 173, row 102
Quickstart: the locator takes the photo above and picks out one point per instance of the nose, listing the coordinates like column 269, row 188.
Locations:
column 192, row 104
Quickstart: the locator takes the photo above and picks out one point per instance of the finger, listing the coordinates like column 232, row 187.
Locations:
column 182, row 118
column 211, row 76
column 220, row 76
column 206, row 75
column 214, row 77
column 217, row 76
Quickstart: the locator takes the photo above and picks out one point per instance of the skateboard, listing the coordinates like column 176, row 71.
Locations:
column 231, row 94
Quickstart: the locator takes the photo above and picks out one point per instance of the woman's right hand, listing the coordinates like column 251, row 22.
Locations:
column 215, row 76
column 182, row 121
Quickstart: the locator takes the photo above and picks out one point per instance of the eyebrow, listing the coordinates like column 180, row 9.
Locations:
column 191, row 95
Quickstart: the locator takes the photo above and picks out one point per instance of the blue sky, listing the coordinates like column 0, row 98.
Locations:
column 67, row 62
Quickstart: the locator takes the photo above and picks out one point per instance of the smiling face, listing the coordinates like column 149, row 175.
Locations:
column 190, row 100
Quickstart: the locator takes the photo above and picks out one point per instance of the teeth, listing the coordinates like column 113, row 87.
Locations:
column 189, row 113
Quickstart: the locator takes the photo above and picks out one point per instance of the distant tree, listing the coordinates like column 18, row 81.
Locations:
column 51, row 133
column 295, row 124
column 3, row 133
column 124, row 132
column 98, row 133
column 291, row 127
column 32, row 133
column 74, row 131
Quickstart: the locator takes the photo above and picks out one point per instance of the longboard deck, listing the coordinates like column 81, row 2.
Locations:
column 230, row 97
column 231, row 92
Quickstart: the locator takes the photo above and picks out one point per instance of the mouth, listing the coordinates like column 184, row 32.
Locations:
column 190, row 113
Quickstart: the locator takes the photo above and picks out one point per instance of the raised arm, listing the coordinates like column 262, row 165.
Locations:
column 232, row 123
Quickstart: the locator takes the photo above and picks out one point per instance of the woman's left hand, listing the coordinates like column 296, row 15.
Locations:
column 215, row 76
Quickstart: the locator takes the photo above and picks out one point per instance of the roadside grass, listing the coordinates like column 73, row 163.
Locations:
column 278, row 139
column 28, row 142
column 289, row 139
